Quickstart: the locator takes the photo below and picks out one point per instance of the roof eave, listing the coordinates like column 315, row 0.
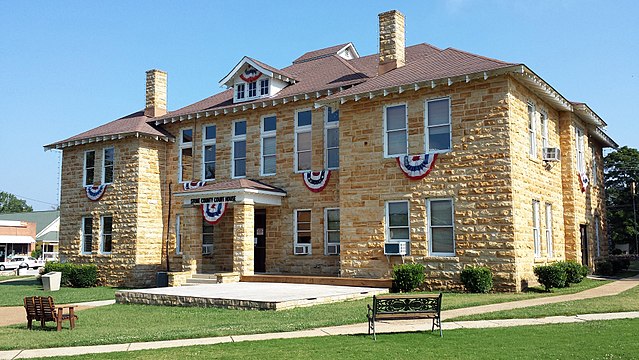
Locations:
column 94, row 139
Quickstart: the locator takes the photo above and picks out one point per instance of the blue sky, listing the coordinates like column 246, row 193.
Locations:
column 69, row 66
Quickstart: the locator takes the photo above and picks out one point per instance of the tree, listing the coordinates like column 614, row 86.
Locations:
column 621, row 169
column 9, row 203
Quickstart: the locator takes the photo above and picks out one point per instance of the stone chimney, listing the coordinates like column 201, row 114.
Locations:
column 155, row 93
column 392, row 41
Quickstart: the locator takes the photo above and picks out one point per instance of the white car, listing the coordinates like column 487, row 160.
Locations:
column 21, row 262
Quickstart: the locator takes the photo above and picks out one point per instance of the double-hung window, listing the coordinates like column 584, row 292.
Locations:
column 87, row 234
column 549, row 242
column 185, row 161
column 264, row 87
column 579, row 147
column 331, row 136
column 302, row 239
column 239, row 149
column 108, row 161
column 207, row 237
column 89, row 167
column 178, row 234
column 536, row 228
column 331, row 231
column 441, row 231
column 209, row 152
column 252, row 89
column 544, row 129
column 240, row 91
column 106, row 234
column 303, row 140
column 532, row 131
column 269, row 148
column 437, row 116
column 593, row 165
column 397, row 221
column 395, row 130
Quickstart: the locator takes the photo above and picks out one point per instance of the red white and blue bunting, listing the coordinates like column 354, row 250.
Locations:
column 213, row 212
column 583, row 181
column 316, row 181
column 94, row 193
column 416, row 167
column 193, row 185
column 250, row 75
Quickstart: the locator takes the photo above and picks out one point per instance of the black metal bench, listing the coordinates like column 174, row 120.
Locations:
column 404, row 307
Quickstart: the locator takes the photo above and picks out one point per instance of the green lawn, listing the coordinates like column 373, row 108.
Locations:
column 14, row 292
column 626, row 301
column 592, row 340
column 129, row 323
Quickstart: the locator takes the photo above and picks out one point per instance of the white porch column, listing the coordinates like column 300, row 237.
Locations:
column 243, row 235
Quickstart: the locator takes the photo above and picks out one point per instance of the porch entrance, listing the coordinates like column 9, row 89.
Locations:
column 583, row 232
column 259, row 256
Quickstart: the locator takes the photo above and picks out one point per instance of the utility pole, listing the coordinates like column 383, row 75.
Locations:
column 634, row 213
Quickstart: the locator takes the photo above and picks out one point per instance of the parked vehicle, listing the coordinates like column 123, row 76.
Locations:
column 21, row 262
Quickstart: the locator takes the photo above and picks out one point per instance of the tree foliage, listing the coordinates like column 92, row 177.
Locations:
column 621, row 168
column 9, row 203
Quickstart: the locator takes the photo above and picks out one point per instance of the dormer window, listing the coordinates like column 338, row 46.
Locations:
column 253, row 80
column 252, row 89
column 264, row 86
column 239, row 91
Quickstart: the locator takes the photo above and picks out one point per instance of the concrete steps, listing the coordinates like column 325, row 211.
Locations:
column 217, row 278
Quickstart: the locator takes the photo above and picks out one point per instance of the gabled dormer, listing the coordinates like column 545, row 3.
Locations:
column 252, row 80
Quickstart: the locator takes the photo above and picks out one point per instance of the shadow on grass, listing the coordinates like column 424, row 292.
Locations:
column 22, row 282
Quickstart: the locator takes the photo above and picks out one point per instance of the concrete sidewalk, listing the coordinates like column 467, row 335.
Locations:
column 355, row 329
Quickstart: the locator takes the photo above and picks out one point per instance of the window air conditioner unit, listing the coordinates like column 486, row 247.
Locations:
column 302, row 249
column 332, row 249
column 552, row 154
column 396, row 248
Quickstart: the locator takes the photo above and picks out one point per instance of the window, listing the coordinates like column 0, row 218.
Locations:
column 597, row 240
column 536, row 239
column 303, row 140
column 269, row 148
column 185, row 162
column 239, row 91
column 252, row 89
column 303, row 231
column 209, row 152
column 331, row 138
column 331, row 231
column 397, row 226
column 89, row 167
column 544, row 129
column 532, row 129
column 239, row 149
column 395, row 128
column 264, row 87
column 107, row 165
column 106, row 230
column 207, row 238
column 440, row 227
column 593, row 164
column 87, row 234
column 437, row 116
column 579, row 149
column 549, row 245
column 178, row 234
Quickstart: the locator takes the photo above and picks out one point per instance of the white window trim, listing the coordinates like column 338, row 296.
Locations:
column 102, row 234
column 259, row 90
column 267, row 135
column 387, row 222
column 543, row 116
column 549, row 233
column 178, row 234
column 235, row 88
column 580, row 149
column 593, row 165
column 181, row 146
column 84, row 168
column 104, row 165
column 326, row 242
column 536, row 228
column 532, row 129
column 310, row 246
column 386, row 154
column 207, row 142
column 327, row 126
column 427, row 128
column 207, row 249
column 234, row 139
column 430, row 227
column 597, row 235
column 300, row 130
column 83, row 233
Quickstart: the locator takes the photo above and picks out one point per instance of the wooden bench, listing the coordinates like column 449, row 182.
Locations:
column 404, row 307
column 43, row 309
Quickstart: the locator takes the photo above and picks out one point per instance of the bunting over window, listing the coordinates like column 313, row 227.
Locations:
column 94, row 193
column 316, row 181
column 416, row 167
column 213, row 212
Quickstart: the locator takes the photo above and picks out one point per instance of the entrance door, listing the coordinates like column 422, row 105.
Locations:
column 584, row 244
column 260, row 240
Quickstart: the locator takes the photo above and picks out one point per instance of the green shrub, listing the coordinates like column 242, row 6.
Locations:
column 575, row 272
column 619, row 263
column 408, row 277
column 617, row 252
column 604, row 267
column 74, row 275
column 550, row 276
column 477, row 279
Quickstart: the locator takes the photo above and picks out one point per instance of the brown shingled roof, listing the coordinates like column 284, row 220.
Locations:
column 316, row 54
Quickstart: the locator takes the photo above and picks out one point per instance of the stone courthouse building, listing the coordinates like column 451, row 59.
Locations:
column 342, row 165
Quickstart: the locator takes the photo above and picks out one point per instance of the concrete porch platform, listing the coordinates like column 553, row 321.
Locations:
column 245, row 295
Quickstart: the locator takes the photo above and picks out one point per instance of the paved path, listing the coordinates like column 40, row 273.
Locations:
column 10, row 315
